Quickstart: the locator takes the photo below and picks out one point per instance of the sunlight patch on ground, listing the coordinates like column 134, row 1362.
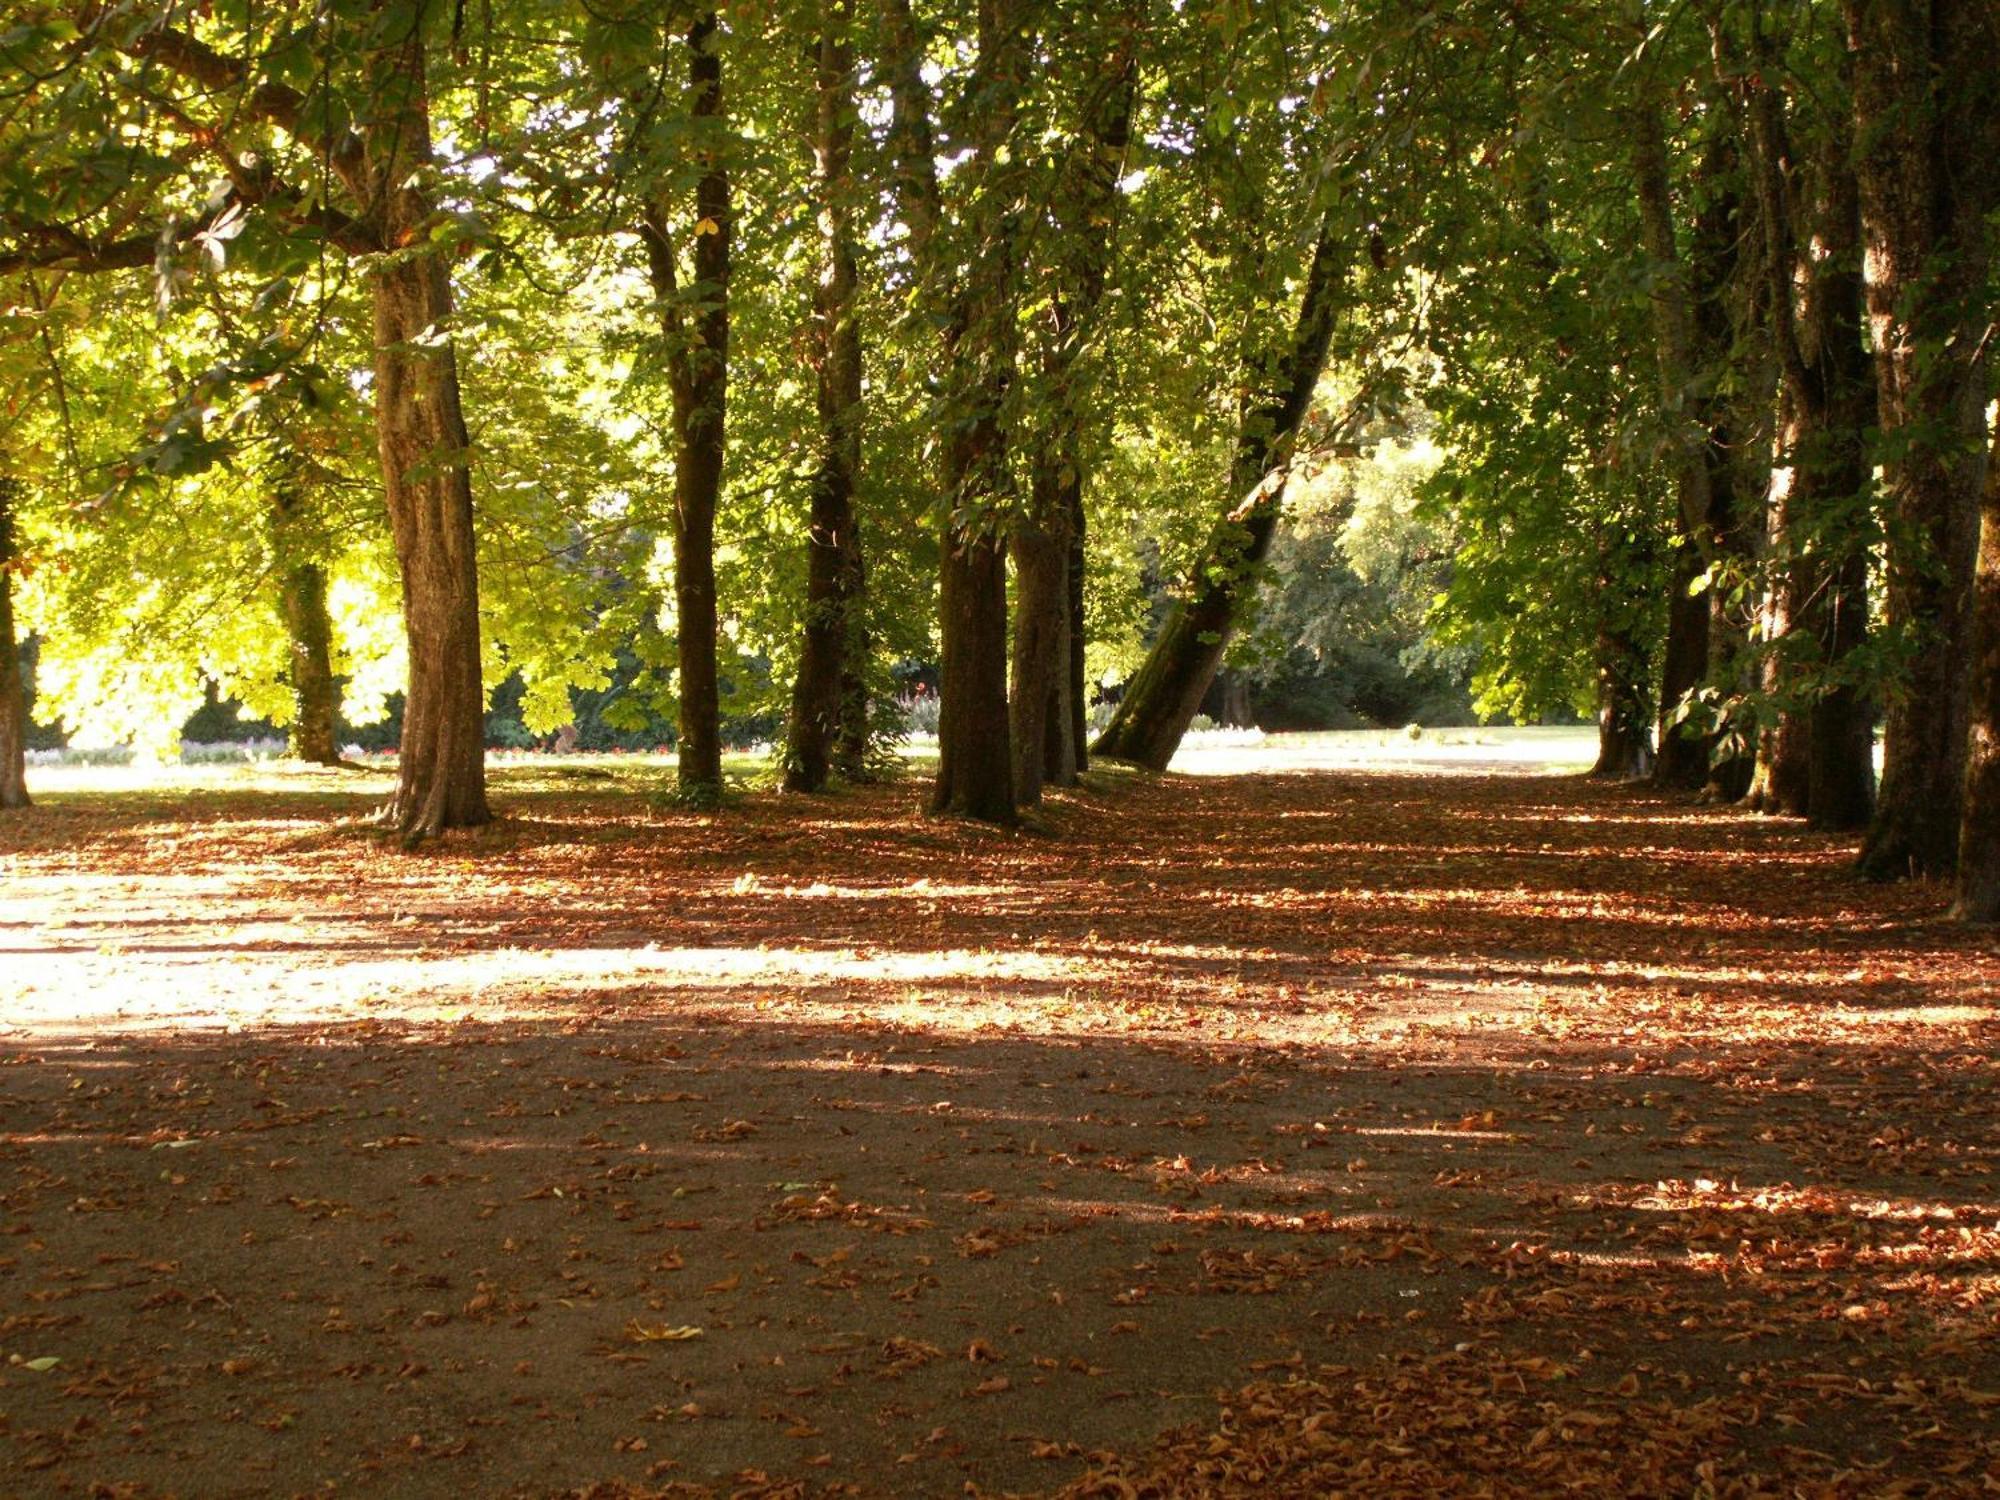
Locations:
column 1531, row 751
column 57, row 989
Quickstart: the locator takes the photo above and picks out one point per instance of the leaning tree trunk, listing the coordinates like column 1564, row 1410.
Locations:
column 1929, row 171
column 1166, row 692
column 696, row 330
column 1979, row 829
column 13, row 691
column 825, row 731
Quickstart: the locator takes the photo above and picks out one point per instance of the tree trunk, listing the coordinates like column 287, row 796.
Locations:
column 1822, row 759
column 1732, row 391
column 13, row 691
column 1926, row 119
column 421, row 432
column 1783, row 776
column 976, row 299
column 1693, row 336
column 1073, row 752
column 1624, row 717
column 1979, row 829
column 1081, row 228
column 1682, row 760
column 1040, row 545
column 314, row 734
column 825, row 731
column 696, row 331
column 1167, row 690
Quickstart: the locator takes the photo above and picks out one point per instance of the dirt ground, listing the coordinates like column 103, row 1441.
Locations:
column 1300, row 1134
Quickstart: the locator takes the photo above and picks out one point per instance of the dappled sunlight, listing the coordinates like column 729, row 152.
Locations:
column 754, row 1114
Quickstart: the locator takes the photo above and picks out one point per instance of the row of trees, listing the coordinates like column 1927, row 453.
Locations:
column 752, row 347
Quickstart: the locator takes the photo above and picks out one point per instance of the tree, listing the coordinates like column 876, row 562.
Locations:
column 1077, row 241
column 1926, row 112
column 365, row 126
column 965, row 274
column 1819, row 759
column 1166, row 692
column 697, row 333
column 828, row 726
column 1692, row 347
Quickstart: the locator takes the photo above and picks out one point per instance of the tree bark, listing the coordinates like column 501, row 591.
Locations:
column 1733, row 391
column 1783, row 779
column 314, row 733
column 1823, row 757
column 1166, row 691
column 828, row 727
column 1681, row 762
column 696, row 330
column 420, row 430
column 1624, row 717
column 1979, row 828
column 1040, row 547
column 1926, row 107
column 13, row 691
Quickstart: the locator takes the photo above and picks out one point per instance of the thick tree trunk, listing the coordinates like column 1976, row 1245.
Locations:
column 1166, row 691
column 1979, row 829
column 698, row 375
column 975, row 774
column 13, row 691
column 1927, row 112
column 1822, row 759
column 420, row 430
column 976, row 297
column 826, row 731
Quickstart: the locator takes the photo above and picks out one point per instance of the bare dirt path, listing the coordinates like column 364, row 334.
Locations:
column 1448, row 1131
